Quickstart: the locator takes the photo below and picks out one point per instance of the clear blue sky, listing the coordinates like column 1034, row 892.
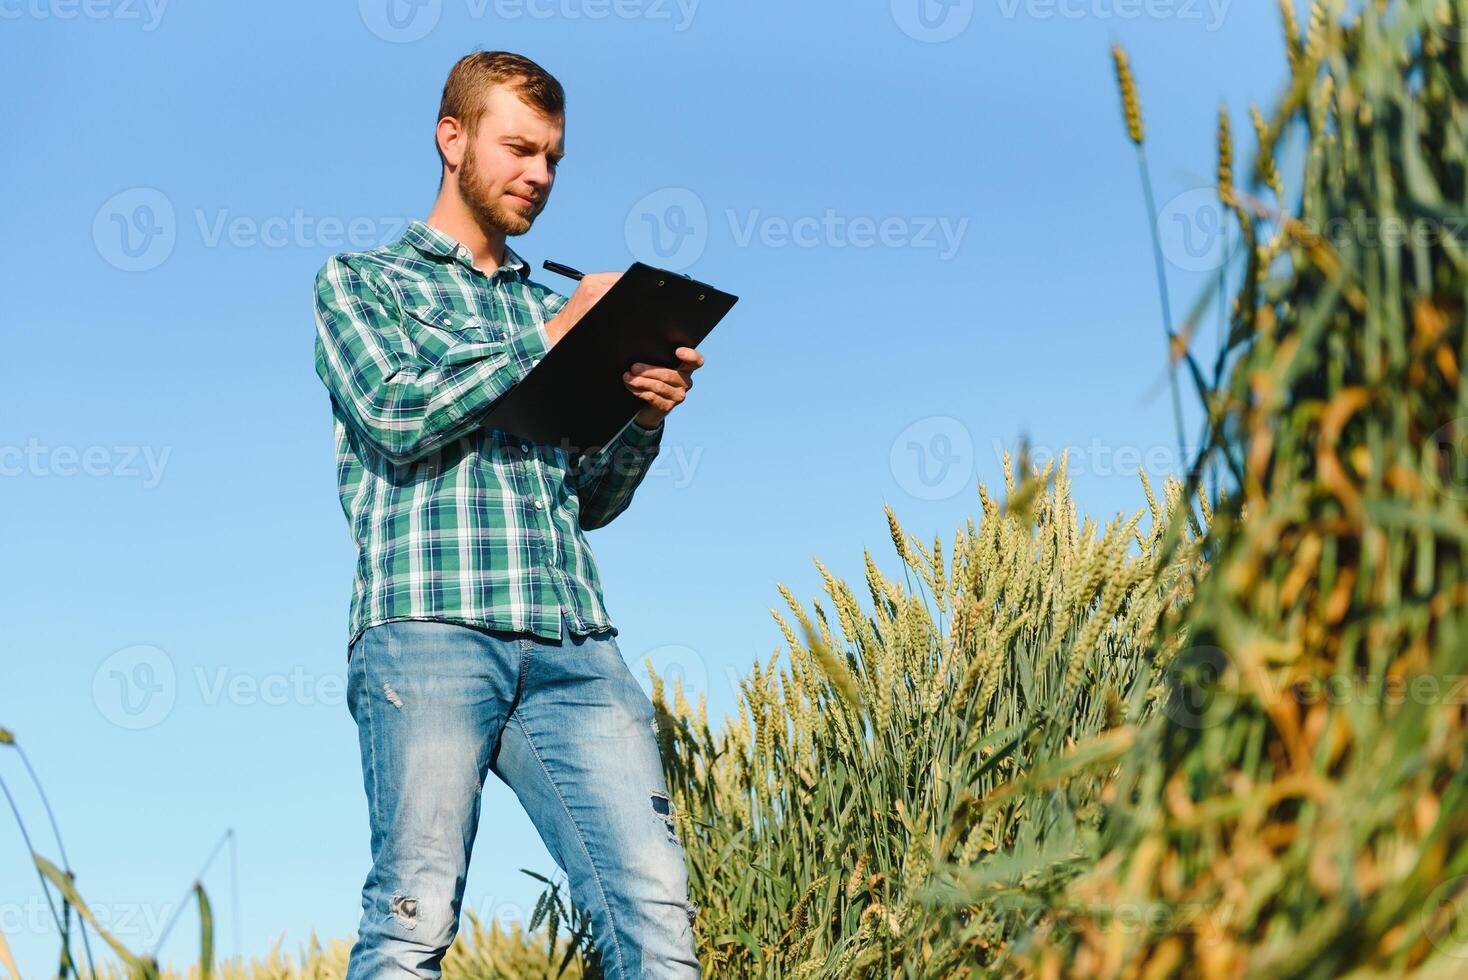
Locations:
column 934, row 225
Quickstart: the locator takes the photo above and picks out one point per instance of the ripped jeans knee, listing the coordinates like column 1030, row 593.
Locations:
column 662, row 807
column 430, row 922
column 405, row 909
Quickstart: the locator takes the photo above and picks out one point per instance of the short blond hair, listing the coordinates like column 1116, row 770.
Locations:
column 466, row 93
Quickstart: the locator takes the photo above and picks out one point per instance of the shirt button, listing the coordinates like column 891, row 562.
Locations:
column 539, row 505
column 524, row 447
column 535, row 362
column 463, row 252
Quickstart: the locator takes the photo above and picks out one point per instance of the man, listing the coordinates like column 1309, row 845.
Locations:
column 478, row 637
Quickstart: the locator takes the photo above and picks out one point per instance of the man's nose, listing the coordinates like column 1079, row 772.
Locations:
column 538, row 174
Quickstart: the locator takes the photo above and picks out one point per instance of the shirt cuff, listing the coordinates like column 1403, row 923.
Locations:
column 638, row 435
column 527, row 348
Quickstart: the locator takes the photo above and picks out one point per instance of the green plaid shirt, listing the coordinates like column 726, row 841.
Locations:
column 454, row 521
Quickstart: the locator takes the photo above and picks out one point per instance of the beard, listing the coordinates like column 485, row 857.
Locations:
column 489, row 209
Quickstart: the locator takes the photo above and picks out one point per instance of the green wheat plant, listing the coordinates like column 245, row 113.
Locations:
column 1307, row 817
column 966, row 709
column 480, row 952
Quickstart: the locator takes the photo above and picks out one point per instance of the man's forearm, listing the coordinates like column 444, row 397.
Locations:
column 606, row 481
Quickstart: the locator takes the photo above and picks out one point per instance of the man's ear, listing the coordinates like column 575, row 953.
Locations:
column 452, row 140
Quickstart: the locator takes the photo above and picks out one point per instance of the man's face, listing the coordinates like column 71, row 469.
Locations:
column 508, row 168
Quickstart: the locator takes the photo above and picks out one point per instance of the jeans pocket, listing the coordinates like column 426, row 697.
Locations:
column 357, row 656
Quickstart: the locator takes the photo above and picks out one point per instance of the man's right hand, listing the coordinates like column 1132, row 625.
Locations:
column 590, row 289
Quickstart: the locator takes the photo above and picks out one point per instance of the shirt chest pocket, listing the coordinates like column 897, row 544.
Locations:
column 435, row 330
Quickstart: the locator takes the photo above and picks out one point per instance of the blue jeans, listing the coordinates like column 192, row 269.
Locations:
column 567, row 727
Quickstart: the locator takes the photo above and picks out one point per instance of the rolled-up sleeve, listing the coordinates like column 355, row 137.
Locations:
column 405, row 404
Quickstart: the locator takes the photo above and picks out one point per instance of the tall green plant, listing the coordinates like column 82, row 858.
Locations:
column 1310, row 817
column 896, row 742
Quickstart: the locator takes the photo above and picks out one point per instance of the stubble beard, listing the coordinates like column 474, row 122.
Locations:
column 489, row 211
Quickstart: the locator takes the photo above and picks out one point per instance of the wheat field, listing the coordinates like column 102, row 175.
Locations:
column 1221, row 736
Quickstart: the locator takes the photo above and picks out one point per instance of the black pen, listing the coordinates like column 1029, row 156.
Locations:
column 564, row 270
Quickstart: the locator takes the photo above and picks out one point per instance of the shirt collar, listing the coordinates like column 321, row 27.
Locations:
column 432, row 241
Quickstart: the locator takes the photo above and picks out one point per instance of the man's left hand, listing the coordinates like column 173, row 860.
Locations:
column 662, row 388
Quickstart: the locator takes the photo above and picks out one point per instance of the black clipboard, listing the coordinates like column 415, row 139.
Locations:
column 575, row 398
